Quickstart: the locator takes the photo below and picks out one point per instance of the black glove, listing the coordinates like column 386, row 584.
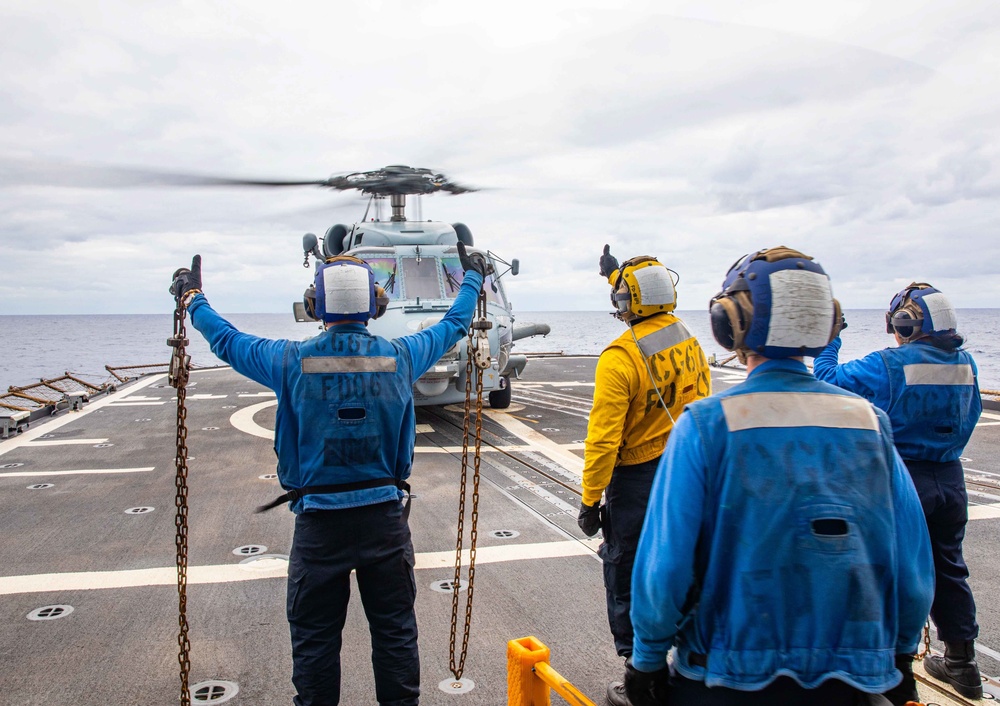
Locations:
column 186, row 280
column 608, row 262
column 472, row 261
column 589, row 518
column 843, row 323
column 647, row 688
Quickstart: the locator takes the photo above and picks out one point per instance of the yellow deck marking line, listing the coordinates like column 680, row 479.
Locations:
column 51, row 425
column 243, row 420
column 539, row 442
column 78, row 472
column 67, row 442
column 232, row 573
column 524, row 419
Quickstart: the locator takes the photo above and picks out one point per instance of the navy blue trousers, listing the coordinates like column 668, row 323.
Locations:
column 941, row 487
column 373, row 541
column 625, row 501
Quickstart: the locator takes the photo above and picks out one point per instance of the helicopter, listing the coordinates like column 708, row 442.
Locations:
column 416, row 262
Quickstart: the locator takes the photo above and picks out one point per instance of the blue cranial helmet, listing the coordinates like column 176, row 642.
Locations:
column 776, row 303
column 345, row 290
column 920, row 310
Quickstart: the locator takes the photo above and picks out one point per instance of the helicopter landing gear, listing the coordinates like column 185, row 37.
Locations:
column 500, row 399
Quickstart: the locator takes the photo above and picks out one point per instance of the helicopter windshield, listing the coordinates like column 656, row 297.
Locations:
column 420, row 278
column 385, row 271
column 452, row 273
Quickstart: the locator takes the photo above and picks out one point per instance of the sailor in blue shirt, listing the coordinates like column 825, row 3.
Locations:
column 784, row 558
column 929, row 388
column 344, row 436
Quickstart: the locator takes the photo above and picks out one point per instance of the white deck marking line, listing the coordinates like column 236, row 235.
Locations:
column 487, row 449
column 424, row 429
column 136, row 404
column 257, row 394
column 554, row 384
column 984, row 512
column 243, row 421
column 66, row 442
column 50, row 426
column 232, row 573
column 540, row 442
column 458, row 449
column 140, row 398
column 77, row 472
column 204, row 396
column 990, row 416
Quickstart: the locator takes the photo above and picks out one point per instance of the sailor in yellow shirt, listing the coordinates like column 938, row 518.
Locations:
column 644, row 379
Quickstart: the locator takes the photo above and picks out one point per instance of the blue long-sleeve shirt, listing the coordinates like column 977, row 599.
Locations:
column 931, row 394
column 735, row 563
column 345, row 401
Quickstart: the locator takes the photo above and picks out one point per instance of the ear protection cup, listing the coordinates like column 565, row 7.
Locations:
column 894, row 322
column 838, row 314
column 381, row 301
column 730, row 315
column 309, row 302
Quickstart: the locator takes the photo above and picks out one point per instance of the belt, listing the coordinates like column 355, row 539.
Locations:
column 296, row 493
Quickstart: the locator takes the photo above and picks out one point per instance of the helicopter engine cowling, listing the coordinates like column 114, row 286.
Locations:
column 333, row 242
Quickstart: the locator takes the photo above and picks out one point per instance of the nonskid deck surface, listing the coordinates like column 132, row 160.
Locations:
column 83, row 540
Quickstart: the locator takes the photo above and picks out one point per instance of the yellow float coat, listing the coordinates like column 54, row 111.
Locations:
column 628, row 425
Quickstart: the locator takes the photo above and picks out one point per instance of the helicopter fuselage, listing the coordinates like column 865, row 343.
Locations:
column 417, row 264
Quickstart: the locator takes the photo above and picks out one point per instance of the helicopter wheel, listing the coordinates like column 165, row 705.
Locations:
column 500, row 399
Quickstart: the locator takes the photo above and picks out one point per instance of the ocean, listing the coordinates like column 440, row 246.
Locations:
column 33, row 347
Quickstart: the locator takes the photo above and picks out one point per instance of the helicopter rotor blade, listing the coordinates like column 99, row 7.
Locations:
column 21, row 172
column 392, row 180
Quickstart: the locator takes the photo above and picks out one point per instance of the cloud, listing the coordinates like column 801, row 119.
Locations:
column 866, row 136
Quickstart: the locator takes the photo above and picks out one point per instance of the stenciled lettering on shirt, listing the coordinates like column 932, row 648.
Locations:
column 938, row 374
column 766, row 410
column 676, row 362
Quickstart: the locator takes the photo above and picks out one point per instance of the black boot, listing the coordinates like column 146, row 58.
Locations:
column 906, row 690
column 958, row 667
column 616, row 694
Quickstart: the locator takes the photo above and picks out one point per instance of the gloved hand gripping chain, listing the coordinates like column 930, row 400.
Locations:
column 179, row 369
column 478, row 349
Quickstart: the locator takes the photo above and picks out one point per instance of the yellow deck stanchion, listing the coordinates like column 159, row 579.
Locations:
column 530, row 678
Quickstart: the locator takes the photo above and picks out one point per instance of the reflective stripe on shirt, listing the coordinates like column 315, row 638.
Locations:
column 349, row 364
column 664, row 338
column 938, row 374
column 761, row 410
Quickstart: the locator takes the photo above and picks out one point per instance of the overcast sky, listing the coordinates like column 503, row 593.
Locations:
column 863, row 133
